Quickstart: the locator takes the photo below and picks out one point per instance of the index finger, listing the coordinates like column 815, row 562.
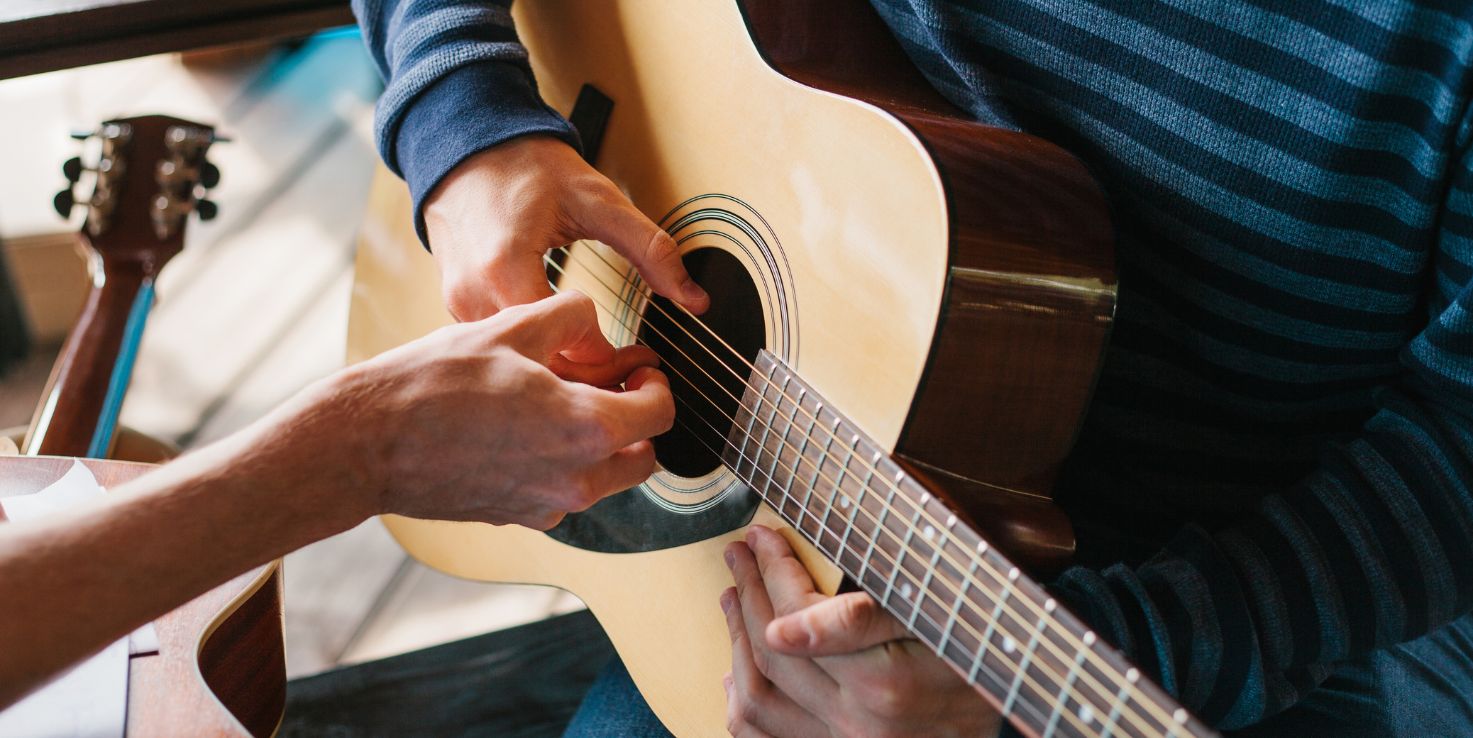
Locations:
column 652, row 251
column 566, row 323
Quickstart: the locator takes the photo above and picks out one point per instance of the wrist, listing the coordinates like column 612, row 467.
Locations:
column 315, row 454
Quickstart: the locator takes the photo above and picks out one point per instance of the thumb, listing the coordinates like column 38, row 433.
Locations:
column 847, row 623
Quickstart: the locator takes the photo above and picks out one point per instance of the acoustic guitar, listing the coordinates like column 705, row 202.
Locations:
column 221, row 668
column 908, row 311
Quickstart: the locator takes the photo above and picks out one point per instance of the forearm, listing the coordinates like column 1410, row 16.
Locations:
column 74, row 582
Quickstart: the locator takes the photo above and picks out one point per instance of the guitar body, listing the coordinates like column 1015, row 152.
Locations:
column 947, row 285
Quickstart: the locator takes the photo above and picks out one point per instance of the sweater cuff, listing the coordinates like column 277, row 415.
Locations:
column 463, row 113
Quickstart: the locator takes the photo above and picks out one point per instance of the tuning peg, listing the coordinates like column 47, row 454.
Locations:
column 72, row 169
column 209, row 175
column 207, row 209
column 63, row 203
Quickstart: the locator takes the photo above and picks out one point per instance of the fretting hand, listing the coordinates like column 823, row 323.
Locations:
column 805, row 664
column 494, row 216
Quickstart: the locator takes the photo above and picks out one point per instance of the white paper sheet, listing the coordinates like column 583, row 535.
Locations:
column 90, row 700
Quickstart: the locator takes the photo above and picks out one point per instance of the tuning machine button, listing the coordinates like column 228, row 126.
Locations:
column 72, row 169
column 207, row 209
column 209, row 175
column 63, row 202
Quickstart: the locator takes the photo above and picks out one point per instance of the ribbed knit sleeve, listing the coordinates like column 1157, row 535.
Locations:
column 457, row 83
column 1374, row 548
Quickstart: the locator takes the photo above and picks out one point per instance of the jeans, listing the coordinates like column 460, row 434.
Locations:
column 1419, row 689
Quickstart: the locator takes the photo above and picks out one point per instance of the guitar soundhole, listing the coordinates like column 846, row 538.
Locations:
column 706, row 377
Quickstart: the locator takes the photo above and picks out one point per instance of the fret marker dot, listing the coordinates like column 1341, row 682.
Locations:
column 982, row 547
column 1009, row 645
column 844, row 502
column 1013, row 574
column 950, row 522
column 929, row 533
column 1180, row 715
column 1089, row 638
column 905, row 591
column 1049, row 605
column 1086, row 714
column 1132, row 676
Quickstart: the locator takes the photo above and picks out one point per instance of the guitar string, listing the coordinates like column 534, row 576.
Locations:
column 1080, row 646
column 1096, row 687
column 1042, row 690
column 635, row 285
column 1077, row 643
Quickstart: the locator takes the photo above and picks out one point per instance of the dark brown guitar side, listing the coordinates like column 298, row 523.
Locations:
column 1029, row 208
column 221, row 665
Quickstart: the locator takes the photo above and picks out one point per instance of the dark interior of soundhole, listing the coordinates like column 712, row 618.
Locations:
column 705, row 377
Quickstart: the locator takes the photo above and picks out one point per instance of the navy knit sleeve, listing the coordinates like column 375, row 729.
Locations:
column 1374, row 548
column 457, row 83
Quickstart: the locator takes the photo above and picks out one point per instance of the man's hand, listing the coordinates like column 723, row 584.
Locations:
column 804, row 664
column 494, row 216
column 501, row 420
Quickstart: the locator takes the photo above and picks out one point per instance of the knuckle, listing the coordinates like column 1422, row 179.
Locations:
column 661, row 247
column 885, row 697
column 596, row 437
column 854, row 613
column 585, row 493
column 762, row 659
column 749, row 711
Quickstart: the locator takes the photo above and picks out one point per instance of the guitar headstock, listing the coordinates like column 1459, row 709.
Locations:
column 147, row 175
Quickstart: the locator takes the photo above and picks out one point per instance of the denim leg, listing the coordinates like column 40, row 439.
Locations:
column 1420, row 688
column 614, row 707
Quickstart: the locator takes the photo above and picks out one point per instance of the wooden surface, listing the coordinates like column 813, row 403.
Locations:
column 167, row 693
column 45, row 35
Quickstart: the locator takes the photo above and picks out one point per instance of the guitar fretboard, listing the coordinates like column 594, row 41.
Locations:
column 1037, row 663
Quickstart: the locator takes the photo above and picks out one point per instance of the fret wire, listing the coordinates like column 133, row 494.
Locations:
column 823, row 525
column 854, row 513
column 817, row 467
column 788, row 489
column 1114, row 717
column 1107, row 668
column 998, row 679
column 1027, row 659
column 956, row 605
column 921, row 635
column 762, row 445
column 931, row 574
column 900, row 558
column 1063, row 701
column 879, row 523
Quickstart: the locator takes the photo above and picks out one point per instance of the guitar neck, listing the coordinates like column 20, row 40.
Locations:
column 95, row 363
column 1036, row 662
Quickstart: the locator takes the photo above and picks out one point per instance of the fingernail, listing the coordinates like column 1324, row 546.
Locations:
column 692, row 292
column 727, row 681
column 730, row 558
column 727, row 598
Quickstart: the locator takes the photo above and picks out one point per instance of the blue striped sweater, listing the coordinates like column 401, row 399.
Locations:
column 1274, row 475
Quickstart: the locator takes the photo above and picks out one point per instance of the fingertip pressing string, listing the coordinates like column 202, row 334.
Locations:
column 635, row 293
